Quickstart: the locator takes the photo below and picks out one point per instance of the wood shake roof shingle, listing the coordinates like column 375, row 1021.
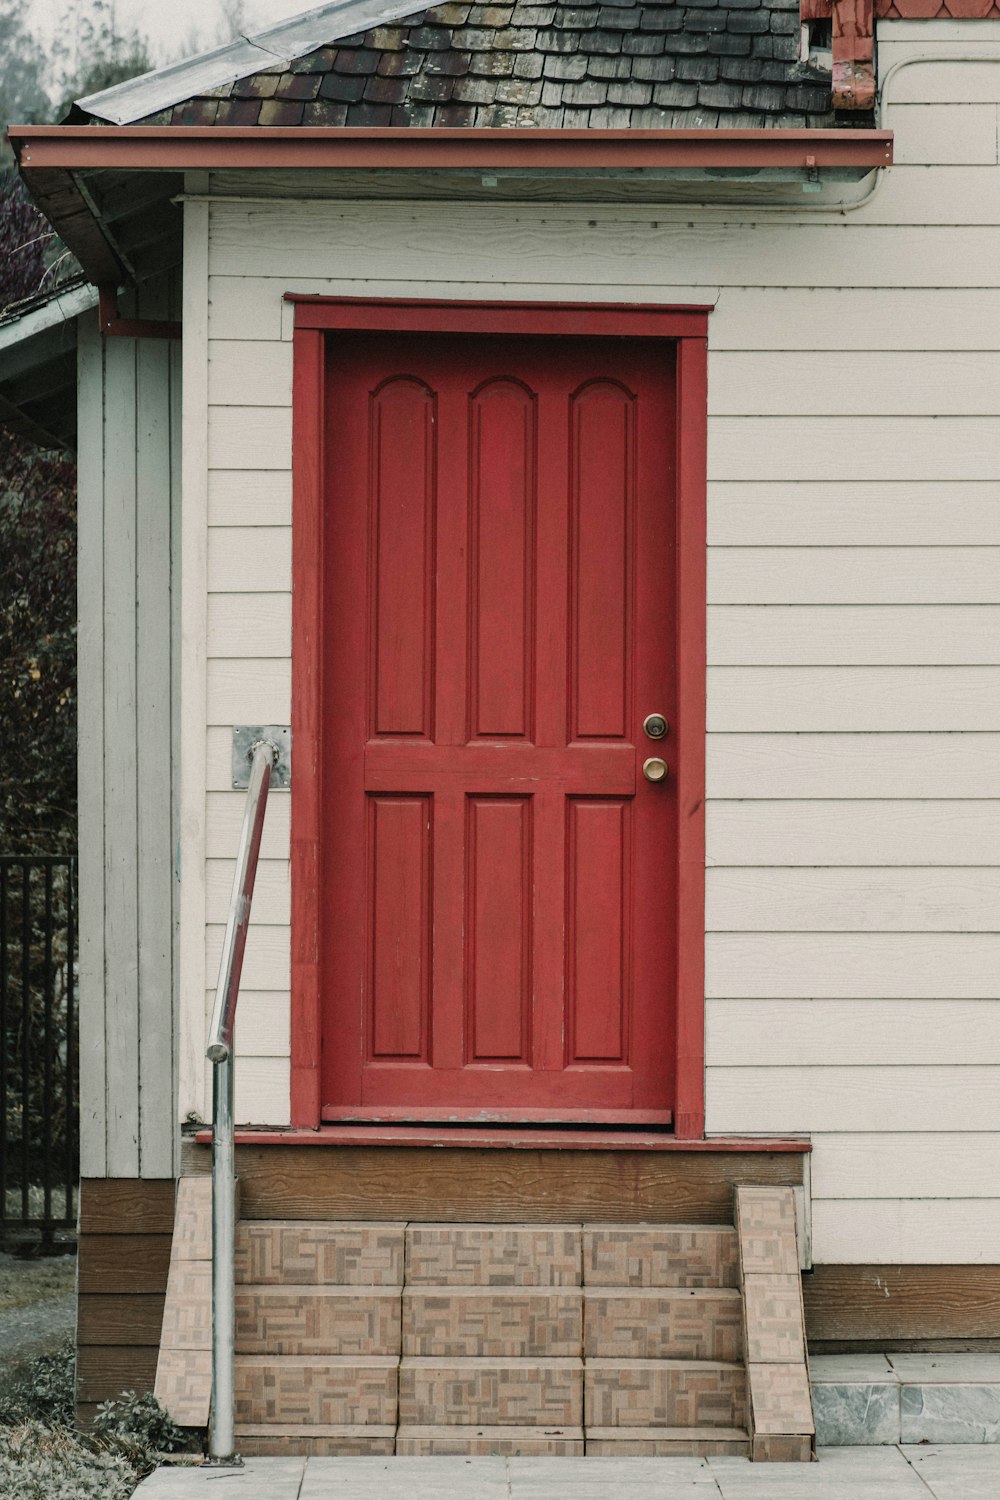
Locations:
column 733, row 65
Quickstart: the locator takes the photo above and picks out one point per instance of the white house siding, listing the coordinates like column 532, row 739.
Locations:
column 129, row 511
column 853, row 946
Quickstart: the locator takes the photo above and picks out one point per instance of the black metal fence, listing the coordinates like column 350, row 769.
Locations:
column 39, row 1044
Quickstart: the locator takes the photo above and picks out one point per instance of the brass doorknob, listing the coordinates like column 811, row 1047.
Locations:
column 654, row 769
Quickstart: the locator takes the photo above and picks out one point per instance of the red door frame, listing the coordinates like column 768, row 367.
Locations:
column 318, row 318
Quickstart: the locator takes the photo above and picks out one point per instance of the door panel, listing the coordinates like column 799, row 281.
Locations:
column 499, row 881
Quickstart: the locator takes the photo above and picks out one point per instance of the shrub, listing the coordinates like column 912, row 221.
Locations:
column 43, row 1463
column 138, row 1428
column 41, row 1391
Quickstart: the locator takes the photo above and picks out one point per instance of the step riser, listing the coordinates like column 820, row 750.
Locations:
column 493, row 1255
column 313, row 1321
column 695, row 1325
column 620, row 1395
column 496, row 1323
column 629, row 1447
column 512, row 1442
column 489, row 1394
column 321, row 1393
column 659, row 1255
column 272, row 1254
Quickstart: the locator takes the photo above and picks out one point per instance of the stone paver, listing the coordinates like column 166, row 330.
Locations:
column 953, row 1472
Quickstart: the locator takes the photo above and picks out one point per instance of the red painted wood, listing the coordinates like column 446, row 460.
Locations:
column 689, row 735
column 502, row 1137
column 683, row 1032
column 308, row 482
column 398, row 979
column 499, row 847
column 496, row 892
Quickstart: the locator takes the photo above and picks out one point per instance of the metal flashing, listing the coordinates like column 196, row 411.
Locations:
column 164, row 87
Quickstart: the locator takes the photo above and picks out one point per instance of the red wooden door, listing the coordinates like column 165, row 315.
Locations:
column 499, row 879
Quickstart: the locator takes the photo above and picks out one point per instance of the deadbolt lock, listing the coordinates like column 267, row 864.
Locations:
column 654, row 769
column 655, row 726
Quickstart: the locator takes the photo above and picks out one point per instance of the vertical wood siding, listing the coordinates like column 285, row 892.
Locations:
column 128, row 489
column 854, row 835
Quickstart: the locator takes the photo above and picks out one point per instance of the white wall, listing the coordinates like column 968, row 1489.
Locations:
column 129, row 493
column 853, row 972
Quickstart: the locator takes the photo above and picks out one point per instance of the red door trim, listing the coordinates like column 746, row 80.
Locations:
column 315, row 319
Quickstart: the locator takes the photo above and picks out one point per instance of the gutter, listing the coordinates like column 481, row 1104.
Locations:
column 178, row 148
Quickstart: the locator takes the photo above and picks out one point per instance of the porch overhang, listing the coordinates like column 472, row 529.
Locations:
column 83, row 176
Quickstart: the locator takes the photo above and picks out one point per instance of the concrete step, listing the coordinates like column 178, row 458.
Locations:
column 343, row 1390
column 664, row 1393
column 640, row 1255
column 270, row 1252
column 485, row 1322
column 491, row 1392
column 667, row 1442
column 318, row 1319
column 513, row 1442
column 493, row 1254
column 662, row 1323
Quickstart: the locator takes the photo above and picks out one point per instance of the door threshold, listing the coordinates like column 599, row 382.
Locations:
column 503, row 1137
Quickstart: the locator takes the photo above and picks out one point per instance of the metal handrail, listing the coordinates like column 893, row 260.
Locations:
column 222, row 1425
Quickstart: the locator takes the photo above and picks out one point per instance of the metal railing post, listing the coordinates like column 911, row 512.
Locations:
column 222, row 1423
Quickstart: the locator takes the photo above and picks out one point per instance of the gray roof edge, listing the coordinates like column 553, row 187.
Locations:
column 164, row 87
column 61, row 307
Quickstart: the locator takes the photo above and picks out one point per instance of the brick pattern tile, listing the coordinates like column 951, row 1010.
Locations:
column 183, row 1382
column 513, row 1321
column 780, row 1401
column 765, row 1223
column 648, row 1393
column 330, row 1390
column 318, row 1320
column 187, row 1310
column 659, row 1442
column 493, row 1254
column 193, row 1219
column 323, row 1254
column 495, row 1393
column 659, row 1255
column 317, row 1442
column 662, row 1323
column 786, row 1449
column 513, row 1442
column 773, row 1310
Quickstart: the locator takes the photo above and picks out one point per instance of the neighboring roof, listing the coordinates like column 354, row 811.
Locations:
column 641, row 65
column 38, row 364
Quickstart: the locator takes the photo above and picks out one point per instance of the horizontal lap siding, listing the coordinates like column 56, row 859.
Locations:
column 854, row 630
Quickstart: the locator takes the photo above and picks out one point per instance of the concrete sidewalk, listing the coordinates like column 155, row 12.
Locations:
column 911, row 1473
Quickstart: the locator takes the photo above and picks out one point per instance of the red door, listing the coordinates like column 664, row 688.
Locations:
column 499, row 878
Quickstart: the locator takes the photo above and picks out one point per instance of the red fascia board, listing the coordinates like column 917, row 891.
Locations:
column 423, row 315
column 179, row 147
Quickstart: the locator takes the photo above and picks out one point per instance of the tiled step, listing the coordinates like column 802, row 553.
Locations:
column 666, row 1442
column 494, row 1321
column 513, row 1442
column 275, row 1440
column 306, row 1389
column 493, row 1254
column 272, row 1252
column 640, row 1255
column 491, row 1392
column 318, row 1320
column 664, row 1393
column 662, row 1323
